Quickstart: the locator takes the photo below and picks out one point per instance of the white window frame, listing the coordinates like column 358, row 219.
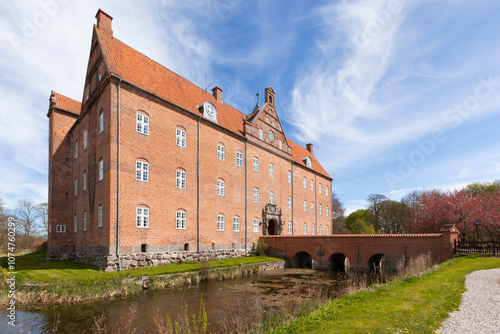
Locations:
column 141, row 171
column 221, row 152
column 313, row 229
column 274, row 124
column 289, row 202
column 256, row 195
column 101, row 122
column 85, row 140
column 305, row 228
column 220, row 187
column 256, row 165
column 76, row 149
column 290, row 228
column 320, row 230
column 84, row 180
column 280, row 144
column 271, row 197
column 180, row 220
column 142, row 124
column 99, row 216
column 84, row 221
column 261, row 134
column 319, row 188
column 320, row 209
column 101, row 169
column 221, row 223
column 312, row 185
column 180, row 137
column 236, row 224
column 326, row 190
column 239, row 159
column 289, row 177
column 312, row 207
column 60, row 228
column 304, row 182
column 305, row 206
column 180, row 179
column 256, row 225
column 271, row 170
column 267, row 120
column 326, row 211
column 327, row 232
column 142, row 217
column 75, row 224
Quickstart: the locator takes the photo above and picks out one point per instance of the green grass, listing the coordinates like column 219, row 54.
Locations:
column 414, row 305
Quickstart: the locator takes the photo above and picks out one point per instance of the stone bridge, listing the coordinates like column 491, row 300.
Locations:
column 365, row 252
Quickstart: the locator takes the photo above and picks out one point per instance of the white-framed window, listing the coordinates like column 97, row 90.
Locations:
column 261, row 134
column 267, row 120
column 101, row 122
column 256, row 195
column 319, row 188
column 75, row 224
column 312, row 207
column 304, row 182
column 289, row 177
column 142, row 171
column 84, row 180
column 280, row 144
column 271, row 170
column 320, row 209
column 142, row 124
column 180, row 179
column 76, row 186
column 220, row 188
column 326, row 210
column 180, row 137
column 85, row 139
column 326, row 230
column 271, row 197
column 312, row 185
column 236, row 224
column 76, row 149
column 221, row 223
column 313, row 229
column 320, row 230
column 101, row 169
column 142, row 217
column 274, row 124
column 305, row 228
column 84, row 221
column 290, row 228
column 60, row 228
column 308, row 162
column 326, row 190
column 239, row 159
column 305, row 206
column 256, row 225
column 221, row 152
column 180, row 220
column 99, row 216
column 289, row 202
column 255, row 165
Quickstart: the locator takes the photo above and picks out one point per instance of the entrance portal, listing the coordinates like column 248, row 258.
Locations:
column 273, row 227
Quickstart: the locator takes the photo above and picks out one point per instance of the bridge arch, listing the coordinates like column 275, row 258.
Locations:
column 339, row 262
column 302, row 260
column 381, row 264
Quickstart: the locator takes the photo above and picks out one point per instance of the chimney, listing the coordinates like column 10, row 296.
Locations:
column 104, row 22
column 310, row 148
column 217, row 93
column 269, row 97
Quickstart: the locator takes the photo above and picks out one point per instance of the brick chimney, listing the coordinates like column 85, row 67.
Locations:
column 104, row 22
column 310, row 148
column 217, row 93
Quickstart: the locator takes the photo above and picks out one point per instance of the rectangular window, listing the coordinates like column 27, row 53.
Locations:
column 84, row 181
column 84, row 221
column 280, row 144
column 76, row 149
column 305, row 206
column 180, row 138
column 271, row 170
column 180, row 179
column 312, row 185
column 220, row 223
column 236, row 224
column 305, row 228
column 261, row 135
column 220, row 188
column 239, row 159
column 85, row 140
column 256, row 195
column 101, row 169
column 290, row 228
column 255, row 165
column 256, row 225
column 289, row 202
column 319, row 188
column 304, row 183
column 312, row 207
column 326, row 190
column 76, row 186
column 60, row 228
column 271, row 197
column 221, row 154
column 142, row 124
column 289, row 177
column 99, row 216
column 101, row 122
column 142, row 171
column 75, row 225
column 142, row 217
column 180, row 220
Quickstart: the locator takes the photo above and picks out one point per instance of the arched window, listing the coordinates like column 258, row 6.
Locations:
column 305, row 228
column 319, row 188
column 256, row 195
column 326, row 230
column 84, row 180
column 221, row 152
column 261, row 134
column 312, row 207
column 313, row 229
column 271, row 170
column 221, row 223
column 305, row 206
column 320, row 209
column 326, row 210
column 84, row 221
column 101, row 122
column 326, row 190
column 76, row 149
column 290, row 228
column 236, row 224
column 220, row 187
column 142, row 171
column 271, row 197
column 312, row 185
column 180, row 137
column 256, row 165
column 239, row 159
column 99, row 216
column 280, row 144
column 180, row 220
column 180, row 179
column 142, row 217
column 256, row 225
column 289, row 202
column 75, row 225
column 304, row 182
column 101, row 169
column 289, row 177
column 142, row 123
column 76, row 186
column 320, row 230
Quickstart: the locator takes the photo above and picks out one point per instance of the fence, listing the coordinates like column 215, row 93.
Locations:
column 477, row 247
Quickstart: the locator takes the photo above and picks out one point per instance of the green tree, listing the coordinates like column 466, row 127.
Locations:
column 394, row 217
column 358, row 222
column 482, row 187
column 375, row 208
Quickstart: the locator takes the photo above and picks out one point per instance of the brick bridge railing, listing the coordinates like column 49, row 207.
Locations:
column 361, row 251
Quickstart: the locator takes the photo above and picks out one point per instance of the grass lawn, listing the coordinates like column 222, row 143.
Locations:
column 414, row 305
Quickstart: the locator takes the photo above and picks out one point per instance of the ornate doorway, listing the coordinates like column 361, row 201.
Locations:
column 271, row 216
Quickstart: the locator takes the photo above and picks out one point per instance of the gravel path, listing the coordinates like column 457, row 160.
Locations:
column 479, row 312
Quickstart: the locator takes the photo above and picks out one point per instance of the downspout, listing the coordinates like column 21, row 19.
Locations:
column 198, row 192
column 118, row 177
column 72, row 219
column 246, row 199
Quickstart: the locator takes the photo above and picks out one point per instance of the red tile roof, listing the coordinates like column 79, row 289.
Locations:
column 136, row 68
column 65, row 103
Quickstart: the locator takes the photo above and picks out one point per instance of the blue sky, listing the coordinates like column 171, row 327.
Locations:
column 394, row 95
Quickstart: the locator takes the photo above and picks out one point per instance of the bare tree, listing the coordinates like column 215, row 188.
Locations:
column 43, row 214
column 338, row 218
column 27, row 214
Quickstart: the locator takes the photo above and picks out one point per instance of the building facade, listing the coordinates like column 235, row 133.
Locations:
column 150, row 163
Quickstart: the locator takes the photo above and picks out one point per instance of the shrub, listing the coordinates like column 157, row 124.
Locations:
column 262, row 248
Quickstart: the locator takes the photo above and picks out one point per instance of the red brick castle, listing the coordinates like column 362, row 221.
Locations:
column 149, row 167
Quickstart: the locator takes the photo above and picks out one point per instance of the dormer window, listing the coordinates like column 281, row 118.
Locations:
column 308, row 162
